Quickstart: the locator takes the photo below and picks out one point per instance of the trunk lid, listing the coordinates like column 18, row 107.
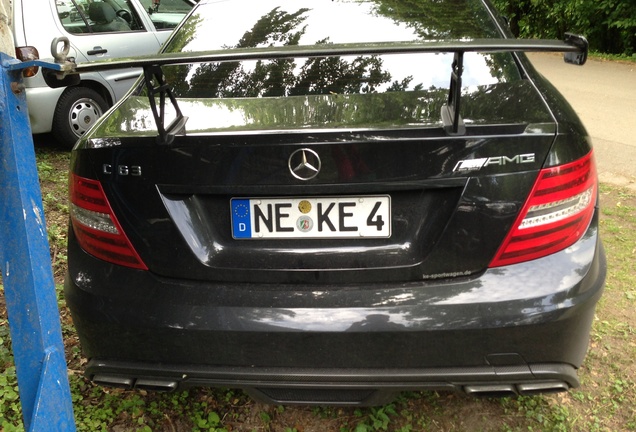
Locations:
column 452, row 198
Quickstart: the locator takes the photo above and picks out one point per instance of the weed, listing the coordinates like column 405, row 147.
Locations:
column 265, row 418
column 375, row 419
column 211, row 422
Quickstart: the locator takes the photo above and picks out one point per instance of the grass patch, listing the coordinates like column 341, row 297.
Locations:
column 613, row 57
column 606, row 400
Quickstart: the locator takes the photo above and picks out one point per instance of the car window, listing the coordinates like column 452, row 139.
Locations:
column 107, row 16
column 63, row 9
column 166, row 14
column 308, row 22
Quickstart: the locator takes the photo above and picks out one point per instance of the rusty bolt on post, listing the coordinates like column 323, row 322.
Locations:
column 17, row 88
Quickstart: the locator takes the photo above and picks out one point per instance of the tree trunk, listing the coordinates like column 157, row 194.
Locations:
column 6, row 35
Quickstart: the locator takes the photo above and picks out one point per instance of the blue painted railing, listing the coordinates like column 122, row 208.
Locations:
column 27, row 276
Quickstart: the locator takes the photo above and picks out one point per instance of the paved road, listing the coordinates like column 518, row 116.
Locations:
column 604, row 95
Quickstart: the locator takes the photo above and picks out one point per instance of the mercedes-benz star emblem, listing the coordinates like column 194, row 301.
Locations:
column 304, row 164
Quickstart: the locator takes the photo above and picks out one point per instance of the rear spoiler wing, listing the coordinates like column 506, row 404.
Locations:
column 66, row 72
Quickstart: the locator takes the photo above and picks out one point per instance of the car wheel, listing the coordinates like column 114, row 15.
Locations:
column 77, row 110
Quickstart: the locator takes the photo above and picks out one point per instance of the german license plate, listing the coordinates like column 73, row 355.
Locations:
column 316, row 217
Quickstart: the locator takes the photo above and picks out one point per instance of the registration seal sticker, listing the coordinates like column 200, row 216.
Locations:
column 304, row 206
column 305, row 223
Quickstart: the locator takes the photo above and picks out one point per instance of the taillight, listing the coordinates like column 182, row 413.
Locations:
column 556, row 214
column 96, row 227
column 27, row 53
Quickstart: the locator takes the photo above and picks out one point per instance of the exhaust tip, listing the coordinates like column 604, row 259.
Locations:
column 508, row 390
column 493, row 390
column 156, row 385
column 128, row 383
column 542, row 388
column 113, row 381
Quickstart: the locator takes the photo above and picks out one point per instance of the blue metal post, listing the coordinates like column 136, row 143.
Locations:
column 27, row 275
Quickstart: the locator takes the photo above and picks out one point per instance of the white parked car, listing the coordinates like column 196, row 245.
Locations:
column 97, row 30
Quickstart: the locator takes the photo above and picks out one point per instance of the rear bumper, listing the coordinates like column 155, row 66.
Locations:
column 516, row 329
column 338, row 386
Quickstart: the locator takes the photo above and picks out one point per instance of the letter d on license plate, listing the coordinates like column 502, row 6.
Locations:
column 316, row 217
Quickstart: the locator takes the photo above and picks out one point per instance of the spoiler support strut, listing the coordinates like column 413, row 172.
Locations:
column 574, row 47
column 451, row 119
column 156, row 85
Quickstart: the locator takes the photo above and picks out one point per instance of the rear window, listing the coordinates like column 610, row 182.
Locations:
column 246, row 24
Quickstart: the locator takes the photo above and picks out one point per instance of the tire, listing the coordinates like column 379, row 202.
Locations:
column 77, row 110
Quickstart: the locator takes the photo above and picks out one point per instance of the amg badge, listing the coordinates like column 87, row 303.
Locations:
column 477, row 164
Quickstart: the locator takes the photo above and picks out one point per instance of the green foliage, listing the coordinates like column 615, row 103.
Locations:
column 376, row 419
column 209, row 422
column 609, row 25
column 10, row 409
